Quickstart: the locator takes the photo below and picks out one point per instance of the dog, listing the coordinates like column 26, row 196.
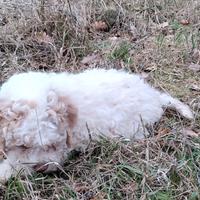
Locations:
column 43, row 116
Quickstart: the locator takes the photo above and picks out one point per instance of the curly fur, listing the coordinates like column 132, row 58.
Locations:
column 43, row 116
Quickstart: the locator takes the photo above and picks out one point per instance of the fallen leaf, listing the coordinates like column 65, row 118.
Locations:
column 184, row 22
column 196, row 105
column 194, row 87
column 90, row 59
column 42, row 37
column 100, row 26
column 189, row 132
column 194, row 67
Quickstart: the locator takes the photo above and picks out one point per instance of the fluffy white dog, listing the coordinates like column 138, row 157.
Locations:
column 43, row 116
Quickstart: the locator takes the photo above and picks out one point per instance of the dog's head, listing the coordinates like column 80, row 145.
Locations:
column 12, row 116
column 25, row 124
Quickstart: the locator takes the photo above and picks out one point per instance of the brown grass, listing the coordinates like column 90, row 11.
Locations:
column 143, row 36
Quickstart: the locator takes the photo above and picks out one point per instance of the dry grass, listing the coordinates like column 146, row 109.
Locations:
column 144, row 36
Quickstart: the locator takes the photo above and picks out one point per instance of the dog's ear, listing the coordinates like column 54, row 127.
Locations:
column 63, row 113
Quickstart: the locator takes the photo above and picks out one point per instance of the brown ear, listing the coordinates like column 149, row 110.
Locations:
column 71, row 111
column 64, row 113
column 72, row 115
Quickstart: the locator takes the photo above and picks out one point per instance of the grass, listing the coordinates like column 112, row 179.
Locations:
column 144, row 36
column 152, row 169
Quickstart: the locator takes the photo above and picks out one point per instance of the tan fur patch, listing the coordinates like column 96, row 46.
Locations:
column 67, row 114
column 72, row 115
column 12, row 114
column 67, row 109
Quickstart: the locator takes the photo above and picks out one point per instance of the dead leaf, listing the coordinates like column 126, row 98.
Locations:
column 90, row 59
column 196, row 105
column 190, row 132
column 100, row 26
column 194, row 67
column 42, row 37
column 185, row 22
column 194, row 87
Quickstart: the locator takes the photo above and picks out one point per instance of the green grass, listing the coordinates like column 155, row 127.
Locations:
column 121, row 52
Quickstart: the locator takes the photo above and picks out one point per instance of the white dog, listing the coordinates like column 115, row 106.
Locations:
column 43, row 116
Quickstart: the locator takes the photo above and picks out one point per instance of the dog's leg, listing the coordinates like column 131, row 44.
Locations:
column 6, row 170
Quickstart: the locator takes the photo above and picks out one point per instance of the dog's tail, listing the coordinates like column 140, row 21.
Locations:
column 173, row 103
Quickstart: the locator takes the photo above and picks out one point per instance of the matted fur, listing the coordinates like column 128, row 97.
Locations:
column 43, row 116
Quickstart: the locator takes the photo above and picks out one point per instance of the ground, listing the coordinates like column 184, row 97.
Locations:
column 160, row 39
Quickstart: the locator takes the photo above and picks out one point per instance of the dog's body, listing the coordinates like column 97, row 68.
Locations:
column 45, row 115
